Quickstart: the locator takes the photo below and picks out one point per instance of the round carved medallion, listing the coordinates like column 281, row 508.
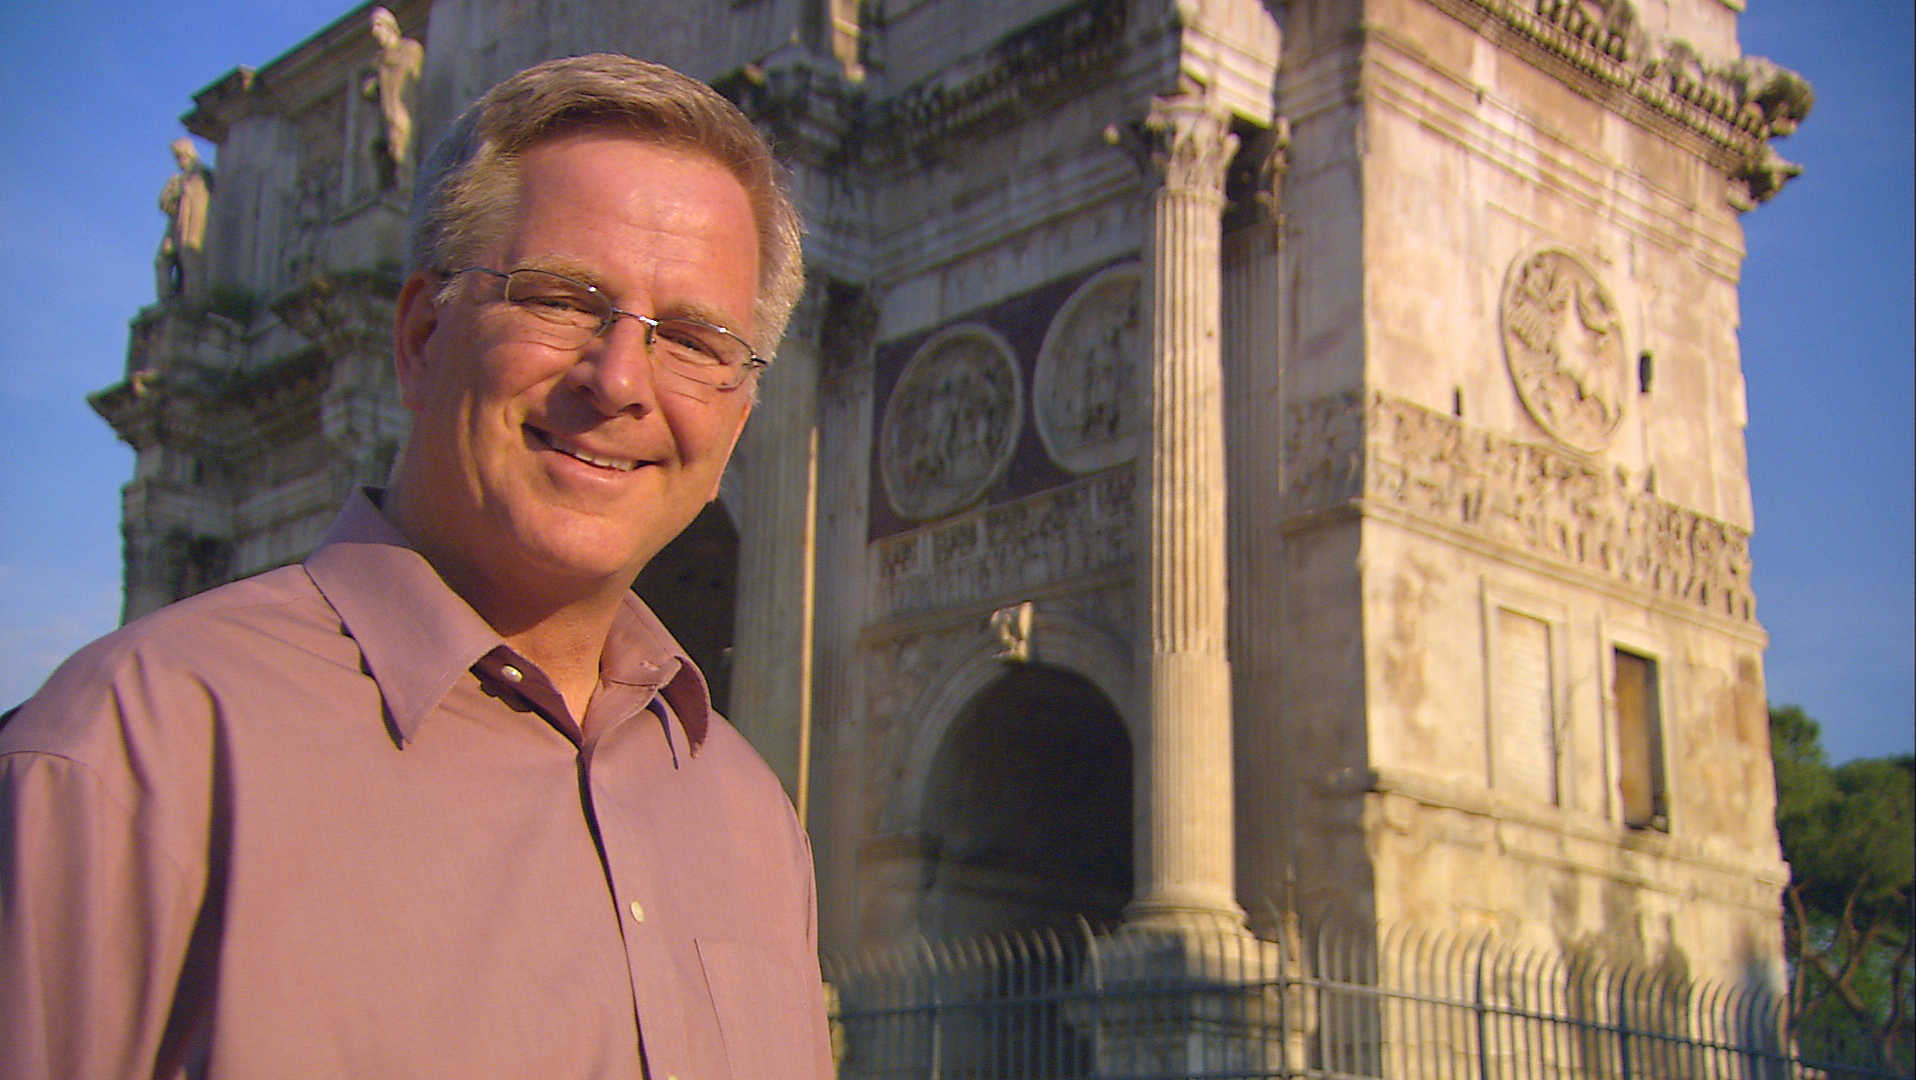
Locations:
column 1563, row 343
column 951, row 424
column 1084, row 393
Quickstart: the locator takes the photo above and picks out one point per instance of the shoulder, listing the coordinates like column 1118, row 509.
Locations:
column 131, row 728
column 754, row 798
column 741, row 766
column 138, row 686
column 192, row 635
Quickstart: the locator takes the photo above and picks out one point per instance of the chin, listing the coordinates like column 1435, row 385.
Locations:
column 590, row 566
column 581, row 555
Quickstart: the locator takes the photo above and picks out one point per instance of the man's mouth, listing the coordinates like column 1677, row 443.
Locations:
column 554, row 442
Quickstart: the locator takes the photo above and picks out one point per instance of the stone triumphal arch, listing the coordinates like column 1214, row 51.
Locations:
column 1230, row 455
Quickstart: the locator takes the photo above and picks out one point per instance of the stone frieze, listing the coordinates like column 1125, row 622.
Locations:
column 1323, row 463
column 1526, row 497
column 1079, row 528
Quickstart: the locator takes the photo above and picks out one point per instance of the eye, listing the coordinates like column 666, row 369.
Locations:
column 555, row 298
column 694, row 341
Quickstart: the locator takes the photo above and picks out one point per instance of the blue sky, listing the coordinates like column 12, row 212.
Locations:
column 93, row 90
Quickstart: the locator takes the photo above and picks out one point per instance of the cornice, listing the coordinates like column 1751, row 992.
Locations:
column 1598, row 46
column 339, row 309
column 1640, row 859
column 806, row 108
column 257, row 398
column 201, row 409
column 1023, row 73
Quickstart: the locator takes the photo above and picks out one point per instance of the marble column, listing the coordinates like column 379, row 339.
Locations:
column 1254, row 304
column 776, row 469
column 1184, row 848
column 845, row 427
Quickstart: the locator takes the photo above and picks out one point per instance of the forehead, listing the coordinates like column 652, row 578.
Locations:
column 638, row 214
column 588, row 129
column 568, row 156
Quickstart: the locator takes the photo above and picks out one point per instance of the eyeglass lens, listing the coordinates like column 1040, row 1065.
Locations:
column 567, row 314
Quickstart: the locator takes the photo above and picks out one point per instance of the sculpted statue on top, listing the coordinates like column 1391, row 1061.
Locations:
column 180, row 266
column 395, row 87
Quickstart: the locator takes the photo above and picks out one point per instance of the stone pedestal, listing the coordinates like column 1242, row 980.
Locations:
column 1189, row 1003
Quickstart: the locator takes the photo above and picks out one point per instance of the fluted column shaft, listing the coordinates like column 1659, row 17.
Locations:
column 1184, row 863
column 771, row 685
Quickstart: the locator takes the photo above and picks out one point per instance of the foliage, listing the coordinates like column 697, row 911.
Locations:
column 1849, row 833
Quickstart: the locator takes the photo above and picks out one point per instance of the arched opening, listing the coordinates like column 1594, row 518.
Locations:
column 1027, row 811
column 692, row 586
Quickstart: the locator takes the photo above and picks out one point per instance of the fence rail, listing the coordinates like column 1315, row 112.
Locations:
column 1323, row 1004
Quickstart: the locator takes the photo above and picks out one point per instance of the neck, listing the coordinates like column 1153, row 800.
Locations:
column 561, row 626
column 566, row 644
column 564, row 634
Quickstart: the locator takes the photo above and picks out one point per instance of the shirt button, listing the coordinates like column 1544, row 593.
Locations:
column 511, row 673
column 638, row 915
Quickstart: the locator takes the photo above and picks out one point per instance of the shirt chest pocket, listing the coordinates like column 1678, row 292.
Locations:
column 765, row 1009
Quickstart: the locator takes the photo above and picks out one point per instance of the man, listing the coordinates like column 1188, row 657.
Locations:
column 447, row 800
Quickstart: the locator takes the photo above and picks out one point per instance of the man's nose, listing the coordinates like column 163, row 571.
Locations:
column 616, row 371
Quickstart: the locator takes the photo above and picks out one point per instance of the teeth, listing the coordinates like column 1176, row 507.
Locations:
column 620, row 464
column 603, row 463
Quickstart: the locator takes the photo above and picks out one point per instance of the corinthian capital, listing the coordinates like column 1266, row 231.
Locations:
column 1187, row 142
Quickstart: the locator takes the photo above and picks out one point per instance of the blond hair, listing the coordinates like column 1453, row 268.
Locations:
column 469, row 183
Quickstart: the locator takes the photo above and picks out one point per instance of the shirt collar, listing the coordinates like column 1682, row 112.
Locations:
column 641, row 652
column 419, row 637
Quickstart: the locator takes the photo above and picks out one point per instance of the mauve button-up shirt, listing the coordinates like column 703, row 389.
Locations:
column 324, row 823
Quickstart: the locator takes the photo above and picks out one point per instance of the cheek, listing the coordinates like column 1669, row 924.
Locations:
column 704, row 431
column 487, row 381
column 671, row 384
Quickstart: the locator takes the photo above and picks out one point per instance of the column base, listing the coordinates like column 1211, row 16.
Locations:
column 1189, row 910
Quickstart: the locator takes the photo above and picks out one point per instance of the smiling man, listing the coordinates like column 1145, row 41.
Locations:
column 446, row 799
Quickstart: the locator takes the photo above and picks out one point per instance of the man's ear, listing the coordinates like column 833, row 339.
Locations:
column 415, row 316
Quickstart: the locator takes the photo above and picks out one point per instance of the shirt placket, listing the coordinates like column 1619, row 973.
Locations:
column 631, row 870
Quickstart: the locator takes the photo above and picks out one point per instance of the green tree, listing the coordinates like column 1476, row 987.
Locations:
column 1849, row 833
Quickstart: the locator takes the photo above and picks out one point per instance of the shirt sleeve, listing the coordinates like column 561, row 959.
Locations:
column 95, row 924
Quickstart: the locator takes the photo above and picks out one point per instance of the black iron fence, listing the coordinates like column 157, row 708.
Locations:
column 1129, row 1004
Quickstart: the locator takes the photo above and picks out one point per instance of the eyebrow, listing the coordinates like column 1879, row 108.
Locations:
column 559, row 264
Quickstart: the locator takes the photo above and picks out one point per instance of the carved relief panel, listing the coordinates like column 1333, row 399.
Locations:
column 975, row 504
column 951, row 424
column 1529, row 497
column 1534, row 498
column 1084, row 396
column 1563, row 343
